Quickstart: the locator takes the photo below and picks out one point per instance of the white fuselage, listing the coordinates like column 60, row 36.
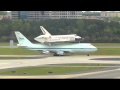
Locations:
column 77, row 47
column 56, row 38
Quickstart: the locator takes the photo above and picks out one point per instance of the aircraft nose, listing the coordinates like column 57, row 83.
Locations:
column 95, row 48
column 78, row 37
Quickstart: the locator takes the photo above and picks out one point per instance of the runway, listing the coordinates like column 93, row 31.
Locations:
column 41, row 60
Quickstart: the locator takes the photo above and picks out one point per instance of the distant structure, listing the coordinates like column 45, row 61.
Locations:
column 6, row 16
column 66, row 14
column 104, row 14
column 91, row 15
column 30, row 15
column 43, row 15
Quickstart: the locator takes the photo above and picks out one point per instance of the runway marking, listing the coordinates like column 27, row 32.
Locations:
column 56, row 60
column 55, row 76
column 34, row 77
column 77, row 75
column 81, row 66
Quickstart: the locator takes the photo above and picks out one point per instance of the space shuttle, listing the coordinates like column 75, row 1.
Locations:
column 48, row 38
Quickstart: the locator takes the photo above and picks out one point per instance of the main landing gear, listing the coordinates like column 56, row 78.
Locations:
column 58, row 54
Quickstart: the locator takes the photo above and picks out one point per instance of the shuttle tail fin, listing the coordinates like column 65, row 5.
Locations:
column 45, row 32
column 22, row 40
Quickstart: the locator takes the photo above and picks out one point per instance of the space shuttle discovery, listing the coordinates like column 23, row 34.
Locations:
column 48, row 38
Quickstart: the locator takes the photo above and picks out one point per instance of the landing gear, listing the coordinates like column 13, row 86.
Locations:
column 57, row 54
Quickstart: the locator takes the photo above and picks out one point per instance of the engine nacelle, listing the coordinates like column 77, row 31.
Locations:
column 60, row 53
column 46, row 52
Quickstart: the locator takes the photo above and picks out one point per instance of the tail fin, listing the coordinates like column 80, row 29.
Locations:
column 45, row 32
column 22, row 40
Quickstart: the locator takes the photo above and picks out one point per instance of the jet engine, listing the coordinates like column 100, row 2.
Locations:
column 46, row 52
column 60, row 53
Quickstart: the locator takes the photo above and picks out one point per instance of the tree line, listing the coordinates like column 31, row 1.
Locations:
column 90, row 30
column 3, row 13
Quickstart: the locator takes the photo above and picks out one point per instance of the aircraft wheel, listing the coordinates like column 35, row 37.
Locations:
column 55, row 54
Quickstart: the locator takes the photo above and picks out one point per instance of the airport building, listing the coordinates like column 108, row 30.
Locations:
column 5, row 16
column 30, row 15
column 91, row 15
column 43, row 15
column 66, row 14
column 109, row 14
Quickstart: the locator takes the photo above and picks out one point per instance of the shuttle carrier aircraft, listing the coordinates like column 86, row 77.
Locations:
column 57, row 50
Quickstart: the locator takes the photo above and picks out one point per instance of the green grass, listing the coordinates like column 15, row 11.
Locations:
column 106, row 44
column 89, row 64
column 107, row 51
column 14, row 58
column 100, row 51
column 21, row 51
column 46, row 70
column 96, row 44
column 17, row 51
column 7, row 44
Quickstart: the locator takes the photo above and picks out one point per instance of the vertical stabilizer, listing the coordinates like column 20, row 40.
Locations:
column 45, row 32
column 22, row 40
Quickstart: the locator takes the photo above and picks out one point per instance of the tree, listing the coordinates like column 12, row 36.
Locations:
column 16, row 25
column 3, row 12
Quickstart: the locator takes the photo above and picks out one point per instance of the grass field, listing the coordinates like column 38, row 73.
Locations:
column 107, row 51
column 45, row 70
column 17, row 51
column 53, row 70
column 106, row 44
column 100, row 51
column 20, row 51
column 95, row 44
column 6, row 44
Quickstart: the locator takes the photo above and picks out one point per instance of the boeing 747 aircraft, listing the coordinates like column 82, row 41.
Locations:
column 48, row 38
column 58, row 50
